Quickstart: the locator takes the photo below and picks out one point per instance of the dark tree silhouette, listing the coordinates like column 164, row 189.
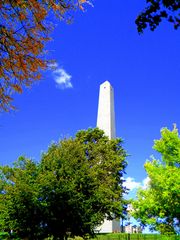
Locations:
column 157, row 10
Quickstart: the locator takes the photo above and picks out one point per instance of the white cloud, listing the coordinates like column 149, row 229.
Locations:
column 53, row 65
column 61, row 77
column 131, row 184
column 145, row 183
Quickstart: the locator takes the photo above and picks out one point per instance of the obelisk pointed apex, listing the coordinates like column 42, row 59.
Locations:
column 106, row 82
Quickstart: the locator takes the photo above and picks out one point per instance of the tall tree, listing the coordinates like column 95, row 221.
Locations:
column 24, row 30
column 158, row 205
column 19, row 204
column 77, row 184
column 157, row 10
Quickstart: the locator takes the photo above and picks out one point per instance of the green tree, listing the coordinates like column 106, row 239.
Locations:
column 157, row 10
column 77, row 184
column 19, row 204
column 158, row 205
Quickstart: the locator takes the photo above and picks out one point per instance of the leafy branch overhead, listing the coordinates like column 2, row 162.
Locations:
column 24, row 30
column 157, row 10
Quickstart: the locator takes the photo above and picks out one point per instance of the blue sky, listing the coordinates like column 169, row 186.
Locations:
column 101, row 44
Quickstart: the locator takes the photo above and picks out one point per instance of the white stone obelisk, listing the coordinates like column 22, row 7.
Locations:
column 106, row 122
column 106, row 114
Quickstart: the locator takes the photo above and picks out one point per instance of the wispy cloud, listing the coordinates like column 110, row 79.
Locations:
column 145, row 183
column 131, row 184
column 53, row 65
column 61, row 77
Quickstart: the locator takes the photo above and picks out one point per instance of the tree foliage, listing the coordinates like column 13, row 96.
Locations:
column 158, row 205
column 24, row 30
column 157, row 10
column 77, row 183
column 20, row 208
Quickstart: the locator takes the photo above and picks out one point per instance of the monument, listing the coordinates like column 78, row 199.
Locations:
column 106, row 122
column 106, row 115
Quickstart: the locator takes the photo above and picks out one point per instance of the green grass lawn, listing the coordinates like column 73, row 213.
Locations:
column 112, row 236
column 125, row 236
